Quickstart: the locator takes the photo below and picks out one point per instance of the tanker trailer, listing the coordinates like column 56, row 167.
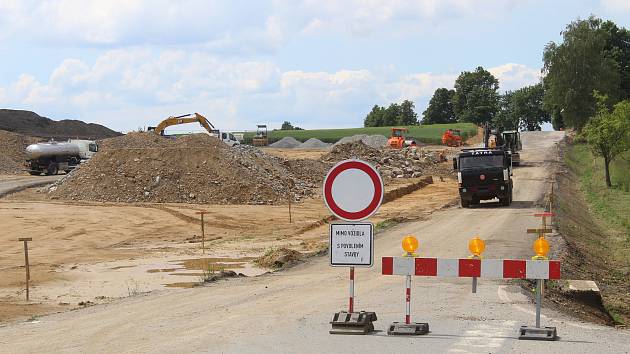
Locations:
column 54, row 156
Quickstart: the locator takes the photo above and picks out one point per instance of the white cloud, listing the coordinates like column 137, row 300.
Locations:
column 616, row 5
column 227, row 26
column 127, row 88
column 514, row 76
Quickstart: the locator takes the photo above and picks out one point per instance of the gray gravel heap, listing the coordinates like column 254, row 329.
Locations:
column 288, row 142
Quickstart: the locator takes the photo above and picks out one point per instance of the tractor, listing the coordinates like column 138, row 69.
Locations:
column 452, row 137
column 397, row 139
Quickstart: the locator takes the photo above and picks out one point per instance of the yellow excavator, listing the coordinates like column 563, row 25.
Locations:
column 228, row 138
column 183, row 119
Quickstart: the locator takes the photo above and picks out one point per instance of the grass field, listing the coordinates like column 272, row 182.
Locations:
column 430, row 134
column 611, row 204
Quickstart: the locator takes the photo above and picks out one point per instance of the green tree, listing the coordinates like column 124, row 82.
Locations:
column 608, row 133
column 408, row 115
column 505, row 118
column 527, row 107
column 391, row 115
column 556, row 119
column 286, row 126
column 375, row 117
column 476, row 97
column 618, row 48
column 578, row 66
column 440, row 109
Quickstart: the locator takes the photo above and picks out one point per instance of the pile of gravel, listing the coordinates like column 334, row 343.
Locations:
column 313, row 143
column 375, row 141
column 146, row 167
column 288, row 142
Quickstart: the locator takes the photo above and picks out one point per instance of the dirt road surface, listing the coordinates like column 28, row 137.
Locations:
column 12, row 184
column 289, row 311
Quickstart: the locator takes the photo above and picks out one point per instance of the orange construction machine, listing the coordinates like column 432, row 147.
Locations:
column 397, row 139
column 452, row 137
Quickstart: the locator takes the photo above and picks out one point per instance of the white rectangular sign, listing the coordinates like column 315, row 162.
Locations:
column 351, row 245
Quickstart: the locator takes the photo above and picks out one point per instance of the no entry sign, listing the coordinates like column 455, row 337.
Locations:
column 353, row 190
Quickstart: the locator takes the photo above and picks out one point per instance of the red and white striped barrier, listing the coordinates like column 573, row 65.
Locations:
column 469, row 268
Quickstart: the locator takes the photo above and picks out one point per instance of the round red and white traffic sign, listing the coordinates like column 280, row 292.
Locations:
column 353, row 190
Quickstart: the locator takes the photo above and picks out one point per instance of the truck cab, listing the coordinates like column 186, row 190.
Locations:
column 484, row 174
column 229, row 139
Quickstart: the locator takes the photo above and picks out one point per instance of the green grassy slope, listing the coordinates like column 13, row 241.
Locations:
column 431, row 134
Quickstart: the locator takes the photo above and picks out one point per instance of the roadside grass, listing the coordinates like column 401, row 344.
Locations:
column 612, row 205
column 430, row 134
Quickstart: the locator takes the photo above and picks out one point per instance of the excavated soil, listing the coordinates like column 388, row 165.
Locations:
column 12, row 155
column 144, row 167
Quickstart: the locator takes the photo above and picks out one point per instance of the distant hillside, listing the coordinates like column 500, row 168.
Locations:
column 31, row 124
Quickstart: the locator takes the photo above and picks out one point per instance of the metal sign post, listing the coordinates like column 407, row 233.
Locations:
column 353, row 191
column 26, row 264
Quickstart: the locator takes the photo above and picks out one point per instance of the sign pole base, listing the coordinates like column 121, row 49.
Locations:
column 408, row 329
column 540, row 333
column 353, row 322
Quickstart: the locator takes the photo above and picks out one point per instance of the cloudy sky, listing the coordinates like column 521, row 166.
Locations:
column 318, row 64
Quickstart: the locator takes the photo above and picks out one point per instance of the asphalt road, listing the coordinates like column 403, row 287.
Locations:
column 289, row 311
column 12, row 184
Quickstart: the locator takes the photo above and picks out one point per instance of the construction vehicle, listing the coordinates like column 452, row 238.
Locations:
column 260, row 139
column 509, row 140
column 227, row 138
column 452, row 137
column 52, row 157
column 397, row 139
column 512, row 142
column 484, row 174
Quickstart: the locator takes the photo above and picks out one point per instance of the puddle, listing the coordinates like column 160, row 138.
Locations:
column 214, row 263
column 162, row 270
column 121, row 267
column 188, row 285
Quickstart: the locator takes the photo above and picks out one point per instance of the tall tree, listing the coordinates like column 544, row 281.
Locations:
column 476, row 97
column 608, row 133
column 391, row 116
column 505, row 118
column 375, row 117
column 286, row 126
column 577, row 67
column 408, row 115
column 618, row 48
column 527, row 107
column 440, row 109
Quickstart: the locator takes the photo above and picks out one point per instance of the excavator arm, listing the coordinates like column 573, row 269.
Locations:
column 183, row 119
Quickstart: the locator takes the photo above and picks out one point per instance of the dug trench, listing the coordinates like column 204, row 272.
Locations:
column 87, row 253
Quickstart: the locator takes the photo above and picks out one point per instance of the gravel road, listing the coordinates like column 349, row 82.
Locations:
column 289, row 311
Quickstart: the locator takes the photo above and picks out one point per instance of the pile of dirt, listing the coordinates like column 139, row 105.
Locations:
column 314, row 143
column 287, row 142
column 279, row 258
column 31, row 124
column 392, row 163
column 12, row 156
column 144, row 167
column 375, row 141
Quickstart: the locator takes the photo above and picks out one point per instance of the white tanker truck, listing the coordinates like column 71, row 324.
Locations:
column 53, row 156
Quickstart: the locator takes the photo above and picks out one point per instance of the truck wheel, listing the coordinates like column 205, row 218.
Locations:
column 34, row 173
column 475, row 201
column 52, row 169
column 465, row 203
column 505, row 201
column 516, row 164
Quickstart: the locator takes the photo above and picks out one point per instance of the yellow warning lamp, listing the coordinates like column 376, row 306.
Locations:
column 410, row 244
column 476, row 246
column 541, row 248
